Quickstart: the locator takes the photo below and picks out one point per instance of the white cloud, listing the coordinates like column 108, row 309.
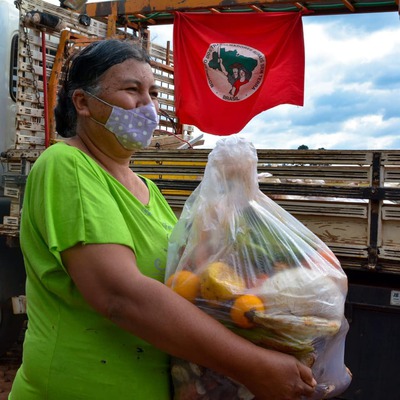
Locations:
column 161, row 34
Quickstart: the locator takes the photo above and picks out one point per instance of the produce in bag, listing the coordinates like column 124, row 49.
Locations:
column 251, row 265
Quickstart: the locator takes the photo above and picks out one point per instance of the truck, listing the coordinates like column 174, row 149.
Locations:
column 349, row 198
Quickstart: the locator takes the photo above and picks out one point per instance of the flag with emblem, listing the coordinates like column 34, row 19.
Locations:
column 231, row 67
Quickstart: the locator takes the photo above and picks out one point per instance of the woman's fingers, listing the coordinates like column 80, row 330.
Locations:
column 306, row 375
column 309, row 381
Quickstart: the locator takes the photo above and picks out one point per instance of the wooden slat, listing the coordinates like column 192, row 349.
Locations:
column 331, row 173
column 391, row 212
column 163, row 78
column 392, row 174
column 325, row 157
column 24, row 82
column 29, row 111
column 37, row 55
column 391, row 157
column 30, row 126
column 329, row 207
column 167, row 91
column 29, row 139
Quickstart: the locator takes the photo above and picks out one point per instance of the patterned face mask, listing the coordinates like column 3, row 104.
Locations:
column 133, row 128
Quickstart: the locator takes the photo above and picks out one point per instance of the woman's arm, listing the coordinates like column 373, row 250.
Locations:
column 107, row 277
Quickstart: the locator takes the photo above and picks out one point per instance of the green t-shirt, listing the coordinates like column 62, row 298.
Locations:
column 72, row 352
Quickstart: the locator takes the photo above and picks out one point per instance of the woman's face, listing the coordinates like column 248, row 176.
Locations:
column 128, row 85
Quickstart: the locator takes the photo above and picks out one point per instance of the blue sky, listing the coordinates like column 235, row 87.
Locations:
column 352, row 87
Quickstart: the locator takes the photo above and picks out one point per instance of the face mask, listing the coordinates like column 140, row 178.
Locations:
column 133, row 128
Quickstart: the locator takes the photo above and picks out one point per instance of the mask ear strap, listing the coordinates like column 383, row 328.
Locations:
column 97, row 98
column 97, row 122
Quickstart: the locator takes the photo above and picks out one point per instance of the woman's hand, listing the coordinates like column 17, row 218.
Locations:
column 285, row 378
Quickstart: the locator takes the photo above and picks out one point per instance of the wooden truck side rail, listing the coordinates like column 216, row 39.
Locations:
column 350, row 199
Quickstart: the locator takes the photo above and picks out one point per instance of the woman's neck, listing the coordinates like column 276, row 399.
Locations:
column 117, row 167
column 107, row 160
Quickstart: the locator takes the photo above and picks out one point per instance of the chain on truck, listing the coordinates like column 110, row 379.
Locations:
column 350, row 199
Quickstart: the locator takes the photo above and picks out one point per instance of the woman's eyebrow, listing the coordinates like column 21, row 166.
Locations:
column 129, row 81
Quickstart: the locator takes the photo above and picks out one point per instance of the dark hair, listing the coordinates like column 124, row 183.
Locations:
column 85, row 71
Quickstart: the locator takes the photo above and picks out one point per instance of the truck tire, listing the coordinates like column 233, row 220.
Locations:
column 12, row 283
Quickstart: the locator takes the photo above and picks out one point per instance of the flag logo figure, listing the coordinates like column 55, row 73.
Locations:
column 234, row 71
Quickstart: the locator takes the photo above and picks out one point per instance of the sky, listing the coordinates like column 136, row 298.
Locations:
column 352, row 88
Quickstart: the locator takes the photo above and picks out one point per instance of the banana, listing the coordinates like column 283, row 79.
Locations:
column 220, row 283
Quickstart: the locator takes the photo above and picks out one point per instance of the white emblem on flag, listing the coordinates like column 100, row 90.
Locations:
column 234, row 71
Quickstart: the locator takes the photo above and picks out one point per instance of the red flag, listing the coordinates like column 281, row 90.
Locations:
column 231, row 67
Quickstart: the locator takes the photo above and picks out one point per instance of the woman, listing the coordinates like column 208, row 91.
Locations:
column 94, row 237
column 243, row 79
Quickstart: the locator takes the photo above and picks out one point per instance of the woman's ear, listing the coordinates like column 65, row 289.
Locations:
column 80, row 100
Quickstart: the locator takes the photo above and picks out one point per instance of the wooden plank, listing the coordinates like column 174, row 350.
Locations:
column 35, row 41
column 30, row 140
column 37, row 55
column 30, row 126
column 392, row 174
column 166, row 102
column 337, row 230
column 29, row 97
column 391, row 157
column 168, row 92
column 272, row 157
column 164, row 140
column 29, row 111
column 321, row 208
column 158, row 76
column 360, row 175
column 26, row 67
column 391, row 212
column 390, row 253
column 164, row 123
column 18, row 154
column 390, row 231
column 324, row 157
column 25, row 82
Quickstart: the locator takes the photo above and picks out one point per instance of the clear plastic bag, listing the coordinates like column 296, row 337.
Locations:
column 247, row 262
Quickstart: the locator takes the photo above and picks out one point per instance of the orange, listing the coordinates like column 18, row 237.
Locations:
column 185, row 283
column 242, row 305
column 329, row 256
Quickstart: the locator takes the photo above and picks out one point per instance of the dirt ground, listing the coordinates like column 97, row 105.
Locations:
column 9, row 363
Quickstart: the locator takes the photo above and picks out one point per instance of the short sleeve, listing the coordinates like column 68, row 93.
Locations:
column 69, row 200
